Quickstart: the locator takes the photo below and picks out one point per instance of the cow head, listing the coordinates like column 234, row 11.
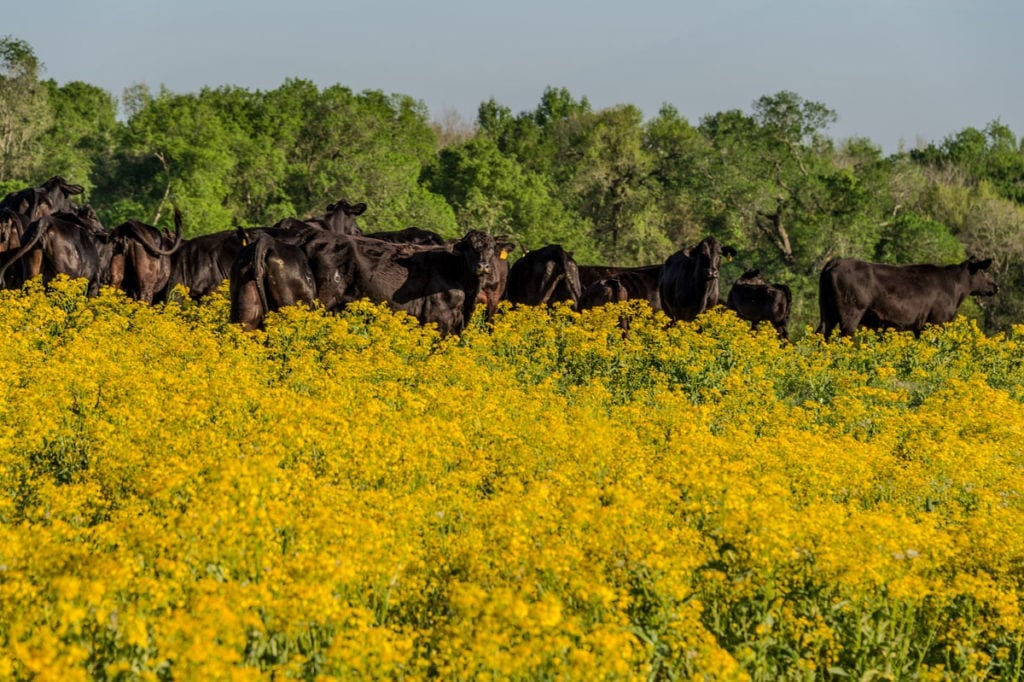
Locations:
column 751, row 277
column 478, row 249
column 979, row 278
column 59, row 192
column 341, row 217
column 707, row 256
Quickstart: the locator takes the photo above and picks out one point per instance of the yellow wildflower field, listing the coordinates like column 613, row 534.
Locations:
column 543, row 497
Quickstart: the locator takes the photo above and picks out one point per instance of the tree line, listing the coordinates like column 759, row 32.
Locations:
column 610, row 185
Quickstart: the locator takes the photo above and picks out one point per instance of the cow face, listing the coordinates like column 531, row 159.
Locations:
column 479, row 250
column 708, row 256
column 981, row 282
column 341, row 217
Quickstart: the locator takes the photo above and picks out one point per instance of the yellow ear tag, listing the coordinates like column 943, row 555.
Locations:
column 503, row 255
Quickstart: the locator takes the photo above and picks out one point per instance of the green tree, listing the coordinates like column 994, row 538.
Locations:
column 83, row 133
column 491, row 191
column 175, row 148
column 24, row 113
column 914, row 238
column 613, row 186
column 993, row 154
column 542, row 140
column 677, row 151
column 368, row 147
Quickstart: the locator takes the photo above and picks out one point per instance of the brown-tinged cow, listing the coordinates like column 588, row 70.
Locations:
column 53, row 196
column 268, row 274
column 544, row 276
column 203, row 263
column 141, row 264
column 74, row 244
column 755, row 300
column 640, row 283
column 434, row 284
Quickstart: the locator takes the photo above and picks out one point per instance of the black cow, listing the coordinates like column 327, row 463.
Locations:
column 640, row 283
column 602, row 292
column 689, row 279
column 52, row 196
column 544, row 276
column 141, row 264
column 268, row 274
column 12, row 228
column 494, row 284
column 435, row 284
column 410, row 235
column 340, row 218
column 854, row 293
column 74, row 244
column 755, row 300
column 203, row 263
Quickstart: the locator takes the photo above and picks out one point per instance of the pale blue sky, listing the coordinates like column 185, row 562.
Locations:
column 894, row 70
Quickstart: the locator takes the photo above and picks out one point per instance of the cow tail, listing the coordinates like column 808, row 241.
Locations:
column 259, row 267
column 158, row 248
column 789, row 299
column 41, row 226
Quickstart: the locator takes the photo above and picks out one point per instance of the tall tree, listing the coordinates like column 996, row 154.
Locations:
column 83, row 132
column 677, row 152
column 993, row 154
column 613, row 186
column 24, row 112
column 493, row 192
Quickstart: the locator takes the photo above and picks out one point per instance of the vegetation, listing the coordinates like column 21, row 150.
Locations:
column 316, row 498
column 613, row 185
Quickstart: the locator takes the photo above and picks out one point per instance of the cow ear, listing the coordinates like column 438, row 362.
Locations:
column 728, row 253
column 357, row 209
column 973, row 264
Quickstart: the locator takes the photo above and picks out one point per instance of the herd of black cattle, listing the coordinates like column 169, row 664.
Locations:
column 328, row 258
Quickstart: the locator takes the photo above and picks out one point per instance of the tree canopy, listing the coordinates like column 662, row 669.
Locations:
column 613, row 185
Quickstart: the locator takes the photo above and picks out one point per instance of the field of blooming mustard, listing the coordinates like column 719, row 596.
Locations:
column 543, row 497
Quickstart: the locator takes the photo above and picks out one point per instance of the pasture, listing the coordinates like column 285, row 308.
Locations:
column 353, row 496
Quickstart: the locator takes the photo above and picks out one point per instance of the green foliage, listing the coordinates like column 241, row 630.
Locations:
column 913, row 238
column 612, row 185
column 83, row 131
column 24, row 110
column 490, row 190
column 993, row 154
